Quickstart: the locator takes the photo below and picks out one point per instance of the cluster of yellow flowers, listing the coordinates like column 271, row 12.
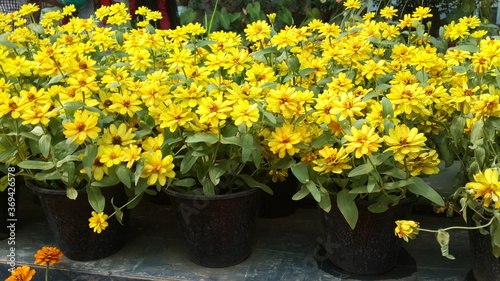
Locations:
column 327, row 94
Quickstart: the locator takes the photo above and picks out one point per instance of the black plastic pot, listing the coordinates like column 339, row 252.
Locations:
column 280, row 203
column 69, row 222
column 371, row 247
column 485, row 266
column 219, row 230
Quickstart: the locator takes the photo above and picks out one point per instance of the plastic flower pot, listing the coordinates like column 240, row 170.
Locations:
column 371, row 247
column 68, row 220
column 218, row 231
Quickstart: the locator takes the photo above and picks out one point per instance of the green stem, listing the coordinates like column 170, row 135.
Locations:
column 459, row 227
column 47, row 272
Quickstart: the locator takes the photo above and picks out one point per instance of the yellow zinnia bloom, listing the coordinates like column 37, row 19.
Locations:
column 487, row 185
column 332, row 160
column 158, row 169
column 283, row 140
column 85, row 125
column 363, row 141
column 403, row 141
column 98, row 221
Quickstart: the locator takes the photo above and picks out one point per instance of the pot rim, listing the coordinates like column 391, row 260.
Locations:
column 214, row 197
column 37, row 189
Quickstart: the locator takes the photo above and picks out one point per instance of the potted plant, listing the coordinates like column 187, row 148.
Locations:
column 350, row 122
column 75, row 127
column 470, row 118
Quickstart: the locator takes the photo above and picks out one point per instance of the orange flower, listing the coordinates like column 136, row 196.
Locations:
column 22, row 273
column 48, row 255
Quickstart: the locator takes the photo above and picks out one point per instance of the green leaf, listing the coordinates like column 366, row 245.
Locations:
column 321, row 140
column 480, row 155
column 457, row 128
column 188, row 182
column 420, row 187
column 395, row 172
column 88, row 159
column 325, row 203
column 71, row 193
column 293, row 63
column 476, row 132
column 52, row 175
column 35, row 165
column 300, row 171
column 468, row 48
column 251, row 182
column 443, row 239
column 188, row 16
column 362, row 169
column 234, row 140
column 285, row 15
column 303, row 192
column 44, row 145
column 96, row 199
column 8, row 43
column 347, row 206
column 188, row 162
column 387, row 109
column 314, row 190
column 247, row 146
column 11, row 151
column 203, row 137
column 56, row 79
column 74, row 105
column 124, row 175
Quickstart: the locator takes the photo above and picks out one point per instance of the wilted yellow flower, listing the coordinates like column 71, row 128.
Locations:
column 406, row 229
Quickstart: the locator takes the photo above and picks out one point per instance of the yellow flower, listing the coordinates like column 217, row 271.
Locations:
column 158, row 169
column 131, row 154
column 21, row 273
column 404, row 141
column 422, row 163
column 332, row 160
column 364, row 141
column 257, row 30
column 406, row 229
column 112, row 155
column 98, row 221
column 388, row 12
column 244, row 112
column 38, row 114
column 279, row 175
column 125, row 103
column 211, row 110
column 487, row 185
column 48, row 255
column 175, row 116
column 422, row 13
column 352, row 4
column 348, row 105
column 283, row 140
column 85, row 125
